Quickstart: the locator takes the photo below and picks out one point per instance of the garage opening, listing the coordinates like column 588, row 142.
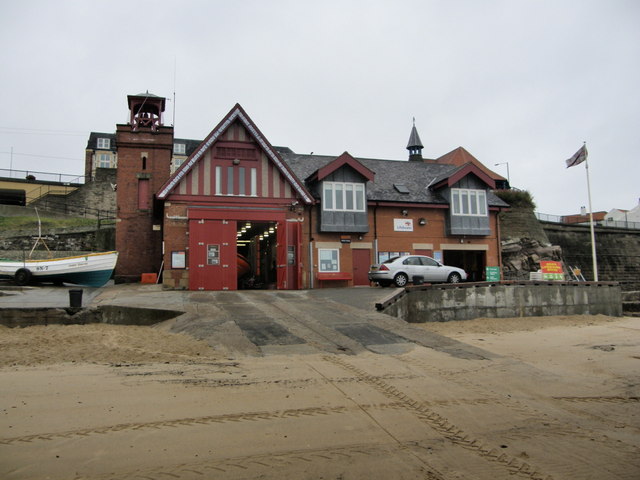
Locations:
column 253, row 253
column 257, row 254
column 472, row 261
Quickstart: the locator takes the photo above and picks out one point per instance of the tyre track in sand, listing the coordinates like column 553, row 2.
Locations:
column 448, row 430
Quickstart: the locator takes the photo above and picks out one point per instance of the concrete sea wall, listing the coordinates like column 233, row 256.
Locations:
column 441, row 303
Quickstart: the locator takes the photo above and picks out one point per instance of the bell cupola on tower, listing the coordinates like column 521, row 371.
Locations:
column 415, row 145
column 145, row 147
column 146, row 111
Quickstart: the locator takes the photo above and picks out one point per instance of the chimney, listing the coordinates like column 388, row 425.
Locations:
column 583, row 210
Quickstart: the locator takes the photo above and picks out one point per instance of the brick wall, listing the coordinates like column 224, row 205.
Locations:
column 176, row 240
column 143, row 156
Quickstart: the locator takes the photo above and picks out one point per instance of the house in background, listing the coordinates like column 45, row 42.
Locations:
column 233, row 211
column 101, row 152
column 583, row 217
column 622, row 218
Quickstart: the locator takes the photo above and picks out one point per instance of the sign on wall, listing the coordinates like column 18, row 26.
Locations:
column 403, row 225
column 178, row 259
column 492, row 274
column 551, row 270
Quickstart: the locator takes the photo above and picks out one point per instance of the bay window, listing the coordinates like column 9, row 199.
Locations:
column 343, row 197
column 469, row 202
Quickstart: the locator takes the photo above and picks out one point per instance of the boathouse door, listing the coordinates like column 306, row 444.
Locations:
column 212, row 255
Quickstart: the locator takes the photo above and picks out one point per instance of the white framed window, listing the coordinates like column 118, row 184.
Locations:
column 343, row 196
column 218, row 180
column 328, row 260
column 254, row 182
column 104, row 160
column 179, row 148
column 469, row 202
column 104, row 143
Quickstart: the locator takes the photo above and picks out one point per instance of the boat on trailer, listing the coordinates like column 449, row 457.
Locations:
column 91, row 270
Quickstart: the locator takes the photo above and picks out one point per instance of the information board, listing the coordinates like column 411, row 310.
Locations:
column 492, row 274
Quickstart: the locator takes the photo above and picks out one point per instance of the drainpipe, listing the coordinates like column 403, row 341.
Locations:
column 375, row 233
column 498, row 234
column 311, row 246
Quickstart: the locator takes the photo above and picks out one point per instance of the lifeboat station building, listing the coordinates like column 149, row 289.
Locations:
column 239, row 213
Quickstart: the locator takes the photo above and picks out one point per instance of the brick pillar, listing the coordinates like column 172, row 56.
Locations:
column 144, row 159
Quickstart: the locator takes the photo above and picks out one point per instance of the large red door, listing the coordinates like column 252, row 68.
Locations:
column 212, row 255
column 361, row 264
column 294, row 266
column 289, row 267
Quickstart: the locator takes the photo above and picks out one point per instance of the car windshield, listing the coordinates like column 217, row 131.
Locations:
column 391, row 260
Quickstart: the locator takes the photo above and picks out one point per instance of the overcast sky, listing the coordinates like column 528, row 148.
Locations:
column 517, row 81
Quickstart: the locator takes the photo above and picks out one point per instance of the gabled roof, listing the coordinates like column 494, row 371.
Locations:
column 417, row 177
column 92, row 144
column 236, row 113
column 342, row 160
column 451, row 178
column 460, row 156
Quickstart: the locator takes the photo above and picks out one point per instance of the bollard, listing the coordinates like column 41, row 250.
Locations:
column 75, row 298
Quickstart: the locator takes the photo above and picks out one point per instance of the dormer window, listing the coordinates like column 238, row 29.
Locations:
column 179, row 148
column 104, row 143
column 343, row 197
column 469, row 202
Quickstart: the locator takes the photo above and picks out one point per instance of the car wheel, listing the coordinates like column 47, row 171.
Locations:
column 401, row 280
column 454, row 278
column 22, row 277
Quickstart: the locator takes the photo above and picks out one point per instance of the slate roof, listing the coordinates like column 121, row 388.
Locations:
column 416, row 176
column 190, row 145
column 92, row 144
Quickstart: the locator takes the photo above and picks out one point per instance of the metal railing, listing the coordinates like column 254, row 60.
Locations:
column 608, row 223
column 33, row 175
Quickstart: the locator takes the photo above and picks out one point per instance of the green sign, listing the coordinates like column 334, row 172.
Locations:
column 492, row 274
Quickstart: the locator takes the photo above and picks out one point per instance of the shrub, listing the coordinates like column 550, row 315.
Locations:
column 517, row 198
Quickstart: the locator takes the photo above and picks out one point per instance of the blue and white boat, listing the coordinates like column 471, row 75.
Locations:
column 91, row 270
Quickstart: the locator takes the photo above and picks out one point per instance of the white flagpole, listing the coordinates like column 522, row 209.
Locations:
column 593, row 236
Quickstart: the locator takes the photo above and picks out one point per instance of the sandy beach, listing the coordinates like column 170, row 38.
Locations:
column 553, row 398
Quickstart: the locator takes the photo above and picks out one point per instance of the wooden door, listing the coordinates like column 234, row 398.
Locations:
column 294, row 265
column 361, row 264
column 212, row 255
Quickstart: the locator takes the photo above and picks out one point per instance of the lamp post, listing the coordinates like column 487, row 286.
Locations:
column 507, row 164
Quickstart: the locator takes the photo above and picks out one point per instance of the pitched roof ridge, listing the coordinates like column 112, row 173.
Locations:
column 237, row 112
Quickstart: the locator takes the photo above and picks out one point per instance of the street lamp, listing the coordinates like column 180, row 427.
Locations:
column 507, row 164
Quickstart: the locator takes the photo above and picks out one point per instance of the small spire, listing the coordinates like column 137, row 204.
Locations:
column 415, row 144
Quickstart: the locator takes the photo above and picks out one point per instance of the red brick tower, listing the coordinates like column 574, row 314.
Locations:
column 144, row 159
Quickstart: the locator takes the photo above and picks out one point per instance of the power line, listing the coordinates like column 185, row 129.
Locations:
column 43, row 156
column 40, row 131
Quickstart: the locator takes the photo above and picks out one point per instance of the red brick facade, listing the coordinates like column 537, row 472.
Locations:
column 144, row 159
column 188, row 221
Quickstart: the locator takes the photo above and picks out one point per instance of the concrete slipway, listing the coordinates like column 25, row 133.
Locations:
column 341, row 321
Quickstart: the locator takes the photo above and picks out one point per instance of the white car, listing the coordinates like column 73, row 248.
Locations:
column 402, row 270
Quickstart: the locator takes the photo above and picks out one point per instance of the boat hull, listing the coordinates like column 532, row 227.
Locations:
column 92, row 270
